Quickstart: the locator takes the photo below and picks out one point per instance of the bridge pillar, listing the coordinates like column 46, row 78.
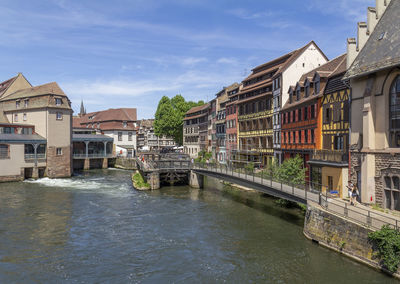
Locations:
column 196, row 180
column 154, row 180
column 105, row 163
column 86, row 164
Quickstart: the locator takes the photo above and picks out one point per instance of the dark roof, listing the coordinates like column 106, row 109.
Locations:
column 90, row 137
column 198, row 108
column 380, row 54
column 21, row 138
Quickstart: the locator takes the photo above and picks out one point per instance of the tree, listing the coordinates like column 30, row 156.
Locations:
column 169, row 117
column 292, row 170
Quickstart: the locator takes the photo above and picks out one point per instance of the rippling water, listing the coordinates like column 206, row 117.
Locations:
column 95, row 228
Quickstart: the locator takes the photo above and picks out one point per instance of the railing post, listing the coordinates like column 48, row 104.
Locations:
column 369, row 221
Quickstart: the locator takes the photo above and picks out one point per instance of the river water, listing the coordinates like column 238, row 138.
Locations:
column 95, row 228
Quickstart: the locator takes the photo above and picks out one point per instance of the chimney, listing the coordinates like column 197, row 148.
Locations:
column 361, row 35
column 371, row 20
column 381, row 6
column 351, row 51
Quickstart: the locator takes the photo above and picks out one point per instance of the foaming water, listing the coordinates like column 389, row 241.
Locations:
column 95, row 228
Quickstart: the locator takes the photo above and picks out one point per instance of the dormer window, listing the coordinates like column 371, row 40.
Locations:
column 58, row 101
column 290, row 96
column 317, row 84
column 298, row 93
column 17, row 103
column 125, row 124
column 307, row 89
column 26, row 103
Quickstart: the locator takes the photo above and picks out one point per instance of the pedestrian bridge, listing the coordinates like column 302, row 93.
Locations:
column 297, row 193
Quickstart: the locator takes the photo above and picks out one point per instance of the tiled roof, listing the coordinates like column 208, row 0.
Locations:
column 329, row 69
column 112, row 114
column 197, row 108
column 20, row 138
column 46, row 89
column 4, row 85
column 378, row 54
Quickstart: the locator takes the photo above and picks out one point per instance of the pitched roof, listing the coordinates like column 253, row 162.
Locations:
column 112, row 114
column 197, row 108
column 4, row 85
column 328, row 70
column 382, row 49
column 46, row 89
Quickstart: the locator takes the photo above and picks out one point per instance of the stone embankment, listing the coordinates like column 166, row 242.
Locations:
column 341, row 235
column 125, row 163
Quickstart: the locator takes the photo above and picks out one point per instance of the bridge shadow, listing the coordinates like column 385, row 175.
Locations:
column 256, row 200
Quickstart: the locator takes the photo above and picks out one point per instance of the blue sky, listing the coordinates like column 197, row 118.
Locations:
column 129, row 53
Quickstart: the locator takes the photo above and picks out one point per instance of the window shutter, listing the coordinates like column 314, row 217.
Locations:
column 346, row 110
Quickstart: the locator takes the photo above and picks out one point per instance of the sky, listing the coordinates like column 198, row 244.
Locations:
column 130, row 53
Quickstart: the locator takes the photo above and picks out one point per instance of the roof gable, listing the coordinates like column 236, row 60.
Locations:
column 382, row 49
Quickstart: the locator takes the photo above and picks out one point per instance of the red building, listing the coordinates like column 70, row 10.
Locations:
column 302, row 115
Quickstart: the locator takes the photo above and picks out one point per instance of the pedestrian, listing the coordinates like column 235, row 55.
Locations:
column 350, row 189
column 354, row 195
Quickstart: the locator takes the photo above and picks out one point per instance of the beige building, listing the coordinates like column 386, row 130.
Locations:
column 194, row 118
column 47, row 111
column 374, row 74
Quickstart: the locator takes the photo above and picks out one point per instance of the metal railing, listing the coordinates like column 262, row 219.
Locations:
column 32, row 156
column 97, row 155
column 369, row 218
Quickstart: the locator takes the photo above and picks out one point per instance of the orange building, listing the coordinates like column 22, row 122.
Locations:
column 302, row 116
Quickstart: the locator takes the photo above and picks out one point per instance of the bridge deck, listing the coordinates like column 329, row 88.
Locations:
column 360, row 214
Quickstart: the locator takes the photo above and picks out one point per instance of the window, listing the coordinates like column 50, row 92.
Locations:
column 119, row 136
column 24, row 117
column 330, row 183
column 339, row 143
column 307, row 89
column 59, row 151
column 337, row 109
column 15, row 117
column 4, row 151
column 327, row 114
column 394, row 114
column 391, row 186
column 312, row 112
column 58, row 101
column 125, row 124
column 312, row 136
column 305, row 113
column 59, row 116
column 26, row 103
column 129, row 136
column 298, row 93
column 299, row 114
column 306, row 136
column 17, row 104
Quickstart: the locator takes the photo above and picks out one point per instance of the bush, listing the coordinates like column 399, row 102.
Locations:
column 139, row 182
column 387, row 241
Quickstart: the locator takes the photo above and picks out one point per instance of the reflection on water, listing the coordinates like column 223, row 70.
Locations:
column 95, row 228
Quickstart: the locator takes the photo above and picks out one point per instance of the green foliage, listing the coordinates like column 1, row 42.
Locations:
column 249, row 167
column 387, row 241
column 291, row 171
column 139, row 182
column 169, row 116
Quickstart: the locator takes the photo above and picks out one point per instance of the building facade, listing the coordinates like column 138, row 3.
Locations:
column 291, row 67
column 195, row 117
column 374, row 75
column 232, row 122
column 47, row 111
column 119, row 124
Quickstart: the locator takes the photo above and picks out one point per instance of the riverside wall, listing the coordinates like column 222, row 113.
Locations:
column 341, row 235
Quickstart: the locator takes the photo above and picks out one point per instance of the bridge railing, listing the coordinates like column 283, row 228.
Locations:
column 369, row 218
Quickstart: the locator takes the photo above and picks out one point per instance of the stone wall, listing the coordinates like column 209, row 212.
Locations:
column 125, row 163
column 385, row 164
column 59, row 165
column 341, row 235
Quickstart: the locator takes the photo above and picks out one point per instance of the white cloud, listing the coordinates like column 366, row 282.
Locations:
column 247, row 15
column 193, row 60
column 226, row 60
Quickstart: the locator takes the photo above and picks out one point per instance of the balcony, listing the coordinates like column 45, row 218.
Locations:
column 330, row 157
column 32, row 156
column 91, row 156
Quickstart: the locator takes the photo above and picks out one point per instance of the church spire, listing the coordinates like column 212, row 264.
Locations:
column 82, row 110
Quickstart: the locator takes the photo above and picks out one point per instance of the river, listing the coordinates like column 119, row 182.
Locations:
column 95, row 228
